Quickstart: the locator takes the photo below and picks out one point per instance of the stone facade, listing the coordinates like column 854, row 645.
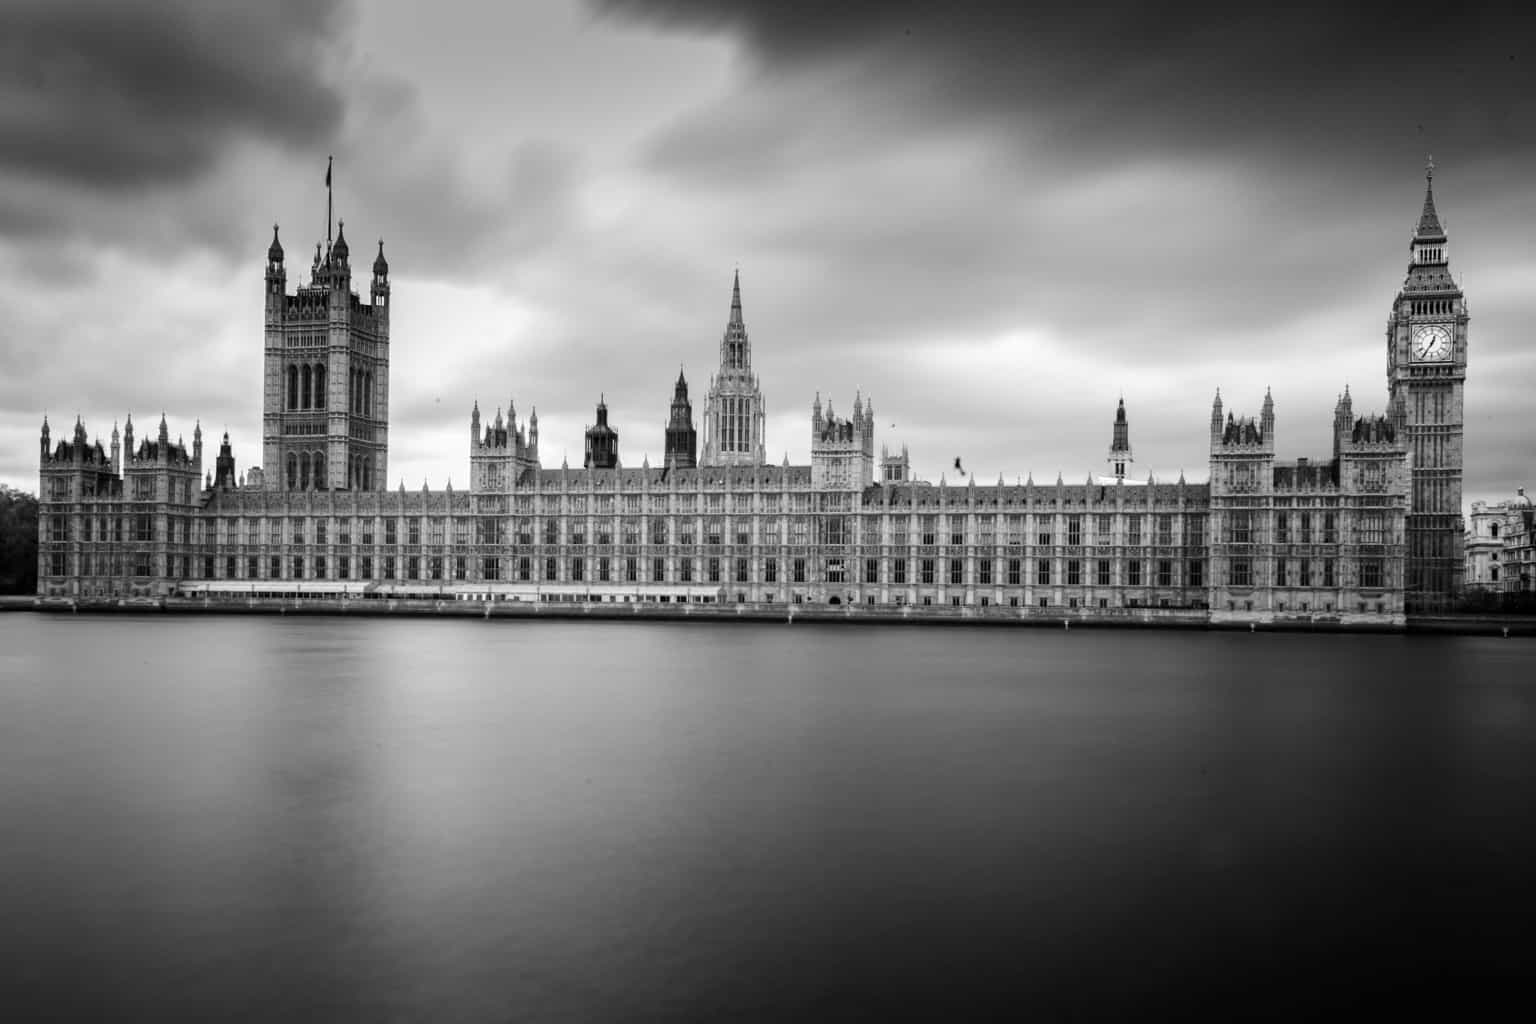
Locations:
column 1264, row 540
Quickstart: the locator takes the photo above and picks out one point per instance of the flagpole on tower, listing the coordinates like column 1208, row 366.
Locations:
column 328, row 202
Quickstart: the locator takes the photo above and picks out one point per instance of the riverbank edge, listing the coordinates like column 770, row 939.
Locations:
column 993, row 616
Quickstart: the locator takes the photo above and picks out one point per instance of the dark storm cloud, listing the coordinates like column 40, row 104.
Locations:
column 120, row 96
column 1323, row 82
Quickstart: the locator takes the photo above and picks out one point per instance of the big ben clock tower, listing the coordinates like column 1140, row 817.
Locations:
column 1426, row 372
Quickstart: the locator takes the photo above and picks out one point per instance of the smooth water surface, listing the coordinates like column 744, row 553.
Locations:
column 307, row 818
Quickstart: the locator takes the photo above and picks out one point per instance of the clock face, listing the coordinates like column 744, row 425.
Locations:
column 1432, row 343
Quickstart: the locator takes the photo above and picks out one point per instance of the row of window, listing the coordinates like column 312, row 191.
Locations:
column 632, row 569
column 1306, row 573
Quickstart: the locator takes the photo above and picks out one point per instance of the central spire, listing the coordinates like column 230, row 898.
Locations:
column 1429, row 228
column 736, row 298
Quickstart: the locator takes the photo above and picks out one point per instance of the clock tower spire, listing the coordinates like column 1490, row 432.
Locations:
column 1426, row 374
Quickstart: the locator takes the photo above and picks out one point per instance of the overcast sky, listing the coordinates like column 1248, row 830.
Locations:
column 992, row 223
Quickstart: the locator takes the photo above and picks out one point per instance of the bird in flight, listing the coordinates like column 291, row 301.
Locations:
column 958, row 468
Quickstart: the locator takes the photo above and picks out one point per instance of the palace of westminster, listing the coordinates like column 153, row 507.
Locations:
column 1368, row 533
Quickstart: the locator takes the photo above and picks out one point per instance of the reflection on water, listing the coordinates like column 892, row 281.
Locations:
column 280, row 817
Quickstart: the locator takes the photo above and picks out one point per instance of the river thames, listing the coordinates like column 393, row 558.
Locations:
column 309, row 818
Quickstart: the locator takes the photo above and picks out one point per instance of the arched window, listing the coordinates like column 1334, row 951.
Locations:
column 293, row 467
column 320, row 387
column 319, row 471
column 1494, row 529
column 304, row 472
column 293, row 387
column 368, row 394
column 307, row 378
column 367, row 474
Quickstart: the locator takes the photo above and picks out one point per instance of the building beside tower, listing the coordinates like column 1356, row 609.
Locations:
column 1360, row 534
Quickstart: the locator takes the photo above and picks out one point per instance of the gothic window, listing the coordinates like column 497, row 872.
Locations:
column 1043, row 572
column 1241, row 573
column 293, row 387
column 1103, row 572
column 304, row 471
column 319, row 387
column 319, row 470
column 306, row 378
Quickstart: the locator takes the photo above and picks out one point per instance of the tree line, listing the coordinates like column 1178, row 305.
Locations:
column 18, row 541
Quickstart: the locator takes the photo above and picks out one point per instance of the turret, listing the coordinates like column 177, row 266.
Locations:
column 1343, row 420
column 602, row 448
column 1216, row 424
column 340, row 250
column 43, row 439
column 533, row 433
column 475, row 437
column 128, row 439
column 379, row 290
column 197, row 442
column 117, row 450
column 1120, row 445
column 224, row 465
column 1267, row 417
column 277, row 278
column 680, row 439
column 80, row 440
column 165, row 431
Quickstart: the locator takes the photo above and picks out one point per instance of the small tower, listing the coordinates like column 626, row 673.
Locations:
column 681, row 439
column 224, row 466
column 842, row 451
column 1120, row 445
column 894, row 469
column 602, row 441
column 379, row 290
column 1343, row 420
column 117, row 450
